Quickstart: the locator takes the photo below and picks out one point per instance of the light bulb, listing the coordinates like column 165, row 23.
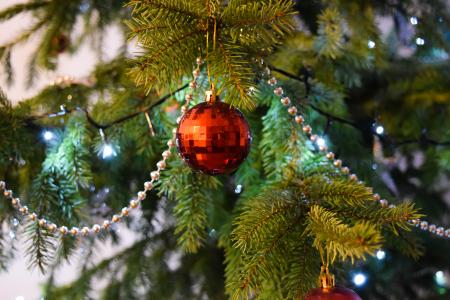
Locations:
column 420, row 41
column 379, row 129
column 371, row 44
column 413, row 20
column 48, row 135
column 321, row 142
column 381, row 255
column 108, row 151
column 359, row 279
column 440, row 278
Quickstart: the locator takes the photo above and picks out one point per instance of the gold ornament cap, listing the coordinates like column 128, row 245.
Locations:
column 326, row 279
column 211, row 96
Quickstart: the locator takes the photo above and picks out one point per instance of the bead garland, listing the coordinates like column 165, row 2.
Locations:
column 161, row 165
column 307, row 129
column 134, row 203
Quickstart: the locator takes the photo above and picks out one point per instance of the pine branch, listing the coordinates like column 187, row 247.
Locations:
column 329, row 42
column 191, row 191
column 41, row 247
column 342, row 240
column 17, row 9
column 232, row 75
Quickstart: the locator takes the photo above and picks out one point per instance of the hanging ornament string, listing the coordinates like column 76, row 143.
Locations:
column 307, row 130
column 133, row 203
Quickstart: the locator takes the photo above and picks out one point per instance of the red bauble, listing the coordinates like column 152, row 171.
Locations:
column 334, row 293
column 214, row 138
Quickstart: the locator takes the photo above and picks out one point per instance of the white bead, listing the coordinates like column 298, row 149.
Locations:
column 440, row 231
column 337, row 163
column 193, row 84
column 330, row 155
column 392, row 206
column 353, row 177
column 106, row 224
column 147, row 186
column 323, row 148
column 188, row 97
column 196, row 73
column 384, row 203
column 51, row 227
column 24, row 210
column 96, row 228
column 415, row 222
column 272, row 81
column 313, row 138
column 285, row 101
column 179, row 120
column 299, row 119
column 74, row 231
column 174, row 131
column 345, row 170
column 199, row 61
column 141, row 195
column 376, row 197
column 134, row 203
column 42, row 222
column 170, row 143
column 424, row 225
column 63, row 230
column 278, row 91
column 154, row 175
column 125, row 211
column 447, row 233
column 2, row 185
column 161, row 165
column 85, row 231
column 432, row 228
column 307, row 129
column 115, row 219
column 7, row 193
column 32, row 216
column 292, row 110
column 166, row 154
column 15, row 201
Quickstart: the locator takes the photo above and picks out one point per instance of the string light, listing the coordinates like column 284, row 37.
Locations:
column 108, row 151
column 440, row 278
column 414, row 20
column 379, row 129
column 359, row 279
column 238, row 189
column 371, row 44
column 321, row 142
column 420, row 41
column 380, row 254
column 48, row 135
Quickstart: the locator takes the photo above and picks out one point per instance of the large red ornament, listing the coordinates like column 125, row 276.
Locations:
column 334, row 293
column 213, row 137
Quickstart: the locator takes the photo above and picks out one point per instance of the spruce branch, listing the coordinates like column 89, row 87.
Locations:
column 191, row 191
column 40, row 247
column 342, row 240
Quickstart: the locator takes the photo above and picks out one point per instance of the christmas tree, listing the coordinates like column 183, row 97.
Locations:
column 339, row 108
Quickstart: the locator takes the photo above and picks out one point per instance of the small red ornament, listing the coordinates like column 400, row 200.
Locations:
column 213, row 137
column 334, row 293
column 328, row 291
